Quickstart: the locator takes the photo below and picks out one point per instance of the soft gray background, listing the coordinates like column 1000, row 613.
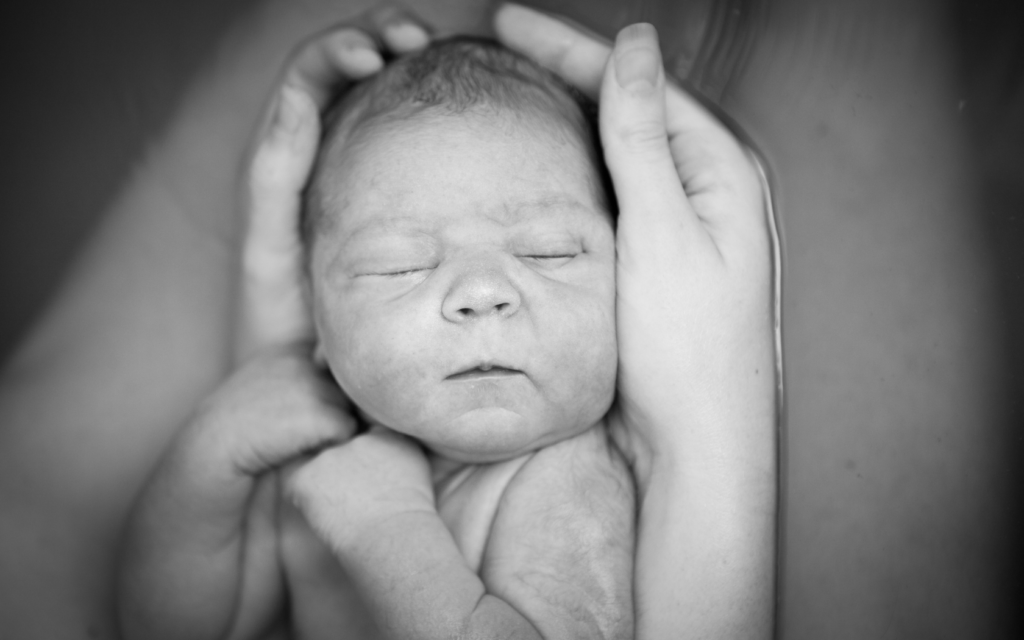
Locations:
column 87, row 84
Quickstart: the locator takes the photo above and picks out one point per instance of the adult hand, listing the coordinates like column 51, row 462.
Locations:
column 274, row 310
column 696, row 412
column 200, row 556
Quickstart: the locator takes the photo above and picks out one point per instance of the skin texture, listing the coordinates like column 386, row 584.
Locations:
column 200, row 554
column 896, row 453
column 557, row 562
column 451, row 242
column 488, row 249
column 209, row 551
column 696, row 410
column 690, row 573
column 161, row 263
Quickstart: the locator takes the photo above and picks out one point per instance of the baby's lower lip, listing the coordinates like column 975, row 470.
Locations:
column 480, row 374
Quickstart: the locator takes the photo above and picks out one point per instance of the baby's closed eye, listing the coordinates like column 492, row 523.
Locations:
column 395, row 272
column 548, row 260
column 547, row 251
column 392, row 258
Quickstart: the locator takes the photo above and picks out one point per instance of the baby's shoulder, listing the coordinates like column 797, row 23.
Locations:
column 589, row 457
column 562, row 544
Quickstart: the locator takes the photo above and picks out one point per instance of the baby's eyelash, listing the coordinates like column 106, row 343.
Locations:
column 394, row 274
column 550, row 256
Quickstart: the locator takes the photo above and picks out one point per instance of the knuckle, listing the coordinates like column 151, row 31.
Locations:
column 642, row 136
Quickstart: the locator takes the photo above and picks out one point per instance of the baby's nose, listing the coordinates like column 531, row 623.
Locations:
column 479, row 292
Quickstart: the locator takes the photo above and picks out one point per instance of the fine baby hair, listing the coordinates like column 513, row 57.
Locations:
column 455, row 76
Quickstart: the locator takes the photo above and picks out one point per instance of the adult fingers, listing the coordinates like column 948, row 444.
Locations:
column 400, row 30
column 274, row 309
column 579, row 57
column 720, row 178
column 715, row 171
column 328, row 60
column 636, row 144
column 575, row 55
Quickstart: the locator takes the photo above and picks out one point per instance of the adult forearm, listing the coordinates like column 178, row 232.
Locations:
column 705, row 565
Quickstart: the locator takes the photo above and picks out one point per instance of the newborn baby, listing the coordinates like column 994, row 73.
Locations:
column 462, row 272
column 462, row 266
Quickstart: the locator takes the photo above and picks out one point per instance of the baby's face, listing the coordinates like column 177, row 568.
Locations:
column 464, row 288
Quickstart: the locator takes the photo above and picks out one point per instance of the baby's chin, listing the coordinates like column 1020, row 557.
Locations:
column 491, row 434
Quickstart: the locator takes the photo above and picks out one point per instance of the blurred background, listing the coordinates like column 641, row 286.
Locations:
column 894, row 132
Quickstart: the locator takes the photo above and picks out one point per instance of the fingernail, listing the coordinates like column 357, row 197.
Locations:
column 288, row 116
column 409, row 34
column 516, row 8
column 637, row 58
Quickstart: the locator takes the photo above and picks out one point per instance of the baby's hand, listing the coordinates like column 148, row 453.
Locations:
column 200, row 555
column 350, row 494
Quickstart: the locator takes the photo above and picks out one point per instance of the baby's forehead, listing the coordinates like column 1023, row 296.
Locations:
column 344, row 181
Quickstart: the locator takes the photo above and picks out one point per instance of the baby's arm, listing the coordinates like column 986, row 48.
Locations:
column 561, row 545
column 200, row 556
column 372, row 501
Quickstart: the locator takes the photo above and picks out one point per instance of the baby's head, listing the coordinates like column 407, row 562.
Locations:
column 462, row 254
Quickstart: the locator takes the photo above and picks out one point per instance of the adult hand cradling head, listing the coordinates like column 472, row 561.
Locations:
column 695, row 410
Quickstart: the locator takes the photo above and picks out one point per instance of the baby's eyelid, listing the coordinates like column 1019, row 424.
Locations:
column 405, row 271
column 540, row 256
column 400, row 272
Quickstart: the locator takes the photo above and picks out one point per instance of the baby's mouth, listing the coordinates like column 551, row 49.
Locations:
column 485, row 372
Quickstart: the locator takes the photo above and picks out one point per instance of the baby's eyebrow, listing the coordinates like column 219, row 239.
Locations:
column 405, row 225
column 508, row 214
column 541, row 207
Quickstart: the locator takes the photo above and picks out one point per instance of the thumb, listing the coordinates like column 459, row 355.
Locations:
column 273, row 299
column 635, row 138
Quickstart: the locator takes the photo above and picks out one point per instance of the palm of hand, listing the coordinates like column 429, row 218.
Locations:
column 694, row 309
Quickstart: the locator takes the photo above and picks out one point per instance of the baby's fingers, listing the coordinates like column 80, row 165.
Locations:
column 296, row 426
column 275, row 409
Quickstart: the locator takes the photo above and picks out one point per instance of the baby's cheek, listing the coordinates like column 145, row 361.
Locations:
column 584, row 343
column 383, row 376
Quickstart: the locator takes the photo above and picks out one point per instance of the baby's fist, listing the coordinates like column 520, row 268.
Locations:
column 274, row 408
column 352, row 492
